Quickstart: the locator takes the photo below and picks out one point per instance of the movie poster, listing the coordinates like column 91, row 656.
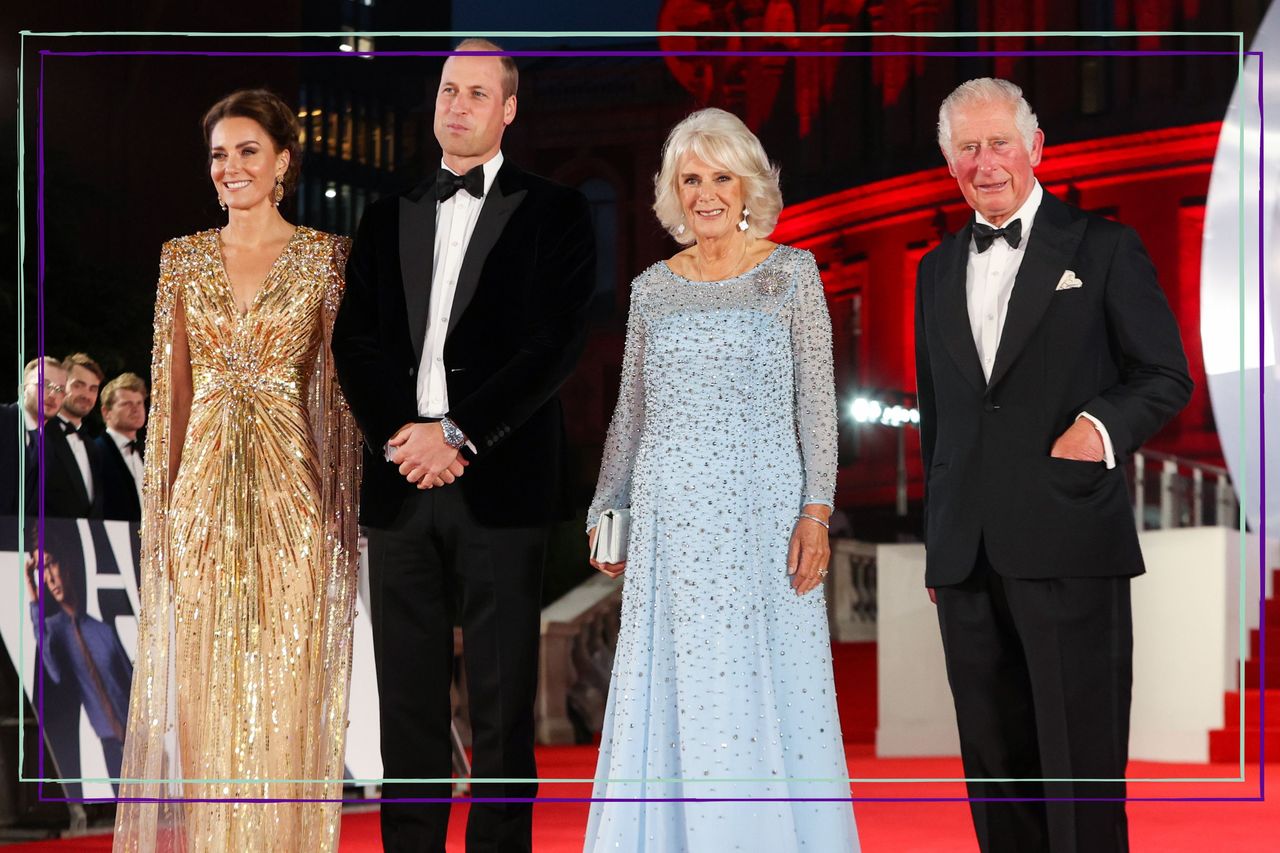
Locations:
column 73, row 636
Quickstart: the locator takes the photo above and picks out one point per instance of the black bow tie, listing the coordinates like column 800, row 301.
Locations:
column 985, row 235
column 69, row 428
column 134, row 446
column 447, row 183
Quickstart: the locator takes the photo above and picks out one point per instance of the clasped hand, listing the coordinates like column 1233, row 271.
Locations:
column 424, row 458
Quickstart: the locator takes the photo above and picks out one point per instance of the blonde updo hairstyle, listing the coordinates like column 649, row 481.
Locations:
column 719, row 139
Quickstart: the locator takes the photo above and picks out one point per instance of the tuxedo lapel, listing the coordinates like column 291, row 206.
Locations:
column 57, row 446
column 417, row 253
column 1051, row 245
column 953, row 308
column 502, row 200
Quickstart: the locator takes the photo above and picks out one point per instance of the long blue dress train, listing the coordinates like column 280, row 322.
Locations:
column 722, row 683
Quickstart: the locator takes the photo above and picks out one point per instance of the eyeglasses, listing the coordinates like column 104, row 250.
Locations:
column 54, row 387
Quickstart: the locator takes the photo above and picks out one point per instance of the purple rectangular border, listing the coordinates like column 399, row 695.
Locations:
column 40, row 347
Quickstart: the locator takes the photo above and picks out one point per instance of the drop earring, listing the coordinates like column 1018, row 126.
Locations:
column 679, row 229
column 742, row 226
column 222, row 204
column 277, row 194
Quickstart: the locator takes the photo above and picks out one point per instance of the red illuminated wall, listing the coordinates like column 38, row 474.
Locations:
column 868, row 240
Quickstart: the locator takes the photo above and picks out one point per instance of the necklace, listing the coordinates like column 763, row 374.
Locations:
column 702, row 276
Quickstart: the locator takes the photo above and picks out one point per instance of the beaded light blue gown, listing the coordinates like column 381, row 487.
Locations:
column 722, row 683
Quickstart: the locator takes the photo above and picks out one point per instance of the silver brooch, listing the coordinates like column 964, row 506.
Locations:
column 770, row 282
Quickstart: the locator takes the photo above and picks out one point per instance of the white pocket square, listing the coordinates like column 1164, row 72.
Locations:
column 1068, row 281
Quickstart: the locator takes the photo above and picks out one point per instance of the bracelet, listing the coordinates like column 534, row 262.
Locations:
column 815, row 518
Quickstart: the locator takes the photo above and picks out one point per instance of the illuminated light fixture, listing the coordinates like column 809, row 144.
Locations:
column 867, row 411
column 331, row 193
column 345, row 47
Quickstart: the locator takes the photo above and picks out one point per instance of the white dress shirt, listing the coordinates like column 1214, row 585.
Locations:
column 456, row 219
column 989, row 279
column 455, row 222
column 81, row 453
column 132, row 459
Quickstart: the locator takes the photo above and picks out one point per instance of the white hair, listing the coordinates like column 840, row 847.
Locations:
column 720, row 139
column 986, row 90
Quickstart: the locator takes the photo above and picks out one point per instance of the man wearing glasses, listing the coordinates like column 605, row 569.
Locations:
column 18, row 470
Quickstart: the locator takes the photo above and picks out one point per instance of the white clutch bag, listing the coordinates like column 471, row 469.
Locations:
column 611, row 536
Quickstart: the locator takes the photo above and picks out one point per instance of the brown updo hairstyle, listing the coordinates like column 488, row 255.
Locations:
column 276, row 118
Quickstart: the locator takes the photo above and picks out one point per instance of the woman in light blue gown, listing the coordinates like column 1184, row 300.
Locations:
column 723, row 445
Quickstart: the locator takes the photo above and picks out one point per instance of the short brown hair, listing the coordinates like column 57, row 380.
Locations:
column 276, row 118
column 80, row 359
column 510, row 74
column 123, row 382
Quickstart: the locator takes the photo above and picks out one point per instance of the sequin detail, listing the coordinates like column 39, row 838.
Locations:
column 249, row 565
column 725, row 426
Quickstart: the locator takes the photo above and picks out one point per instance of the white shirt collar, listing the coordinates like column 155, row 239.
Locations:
column 1027, row 213
column 491, row 167
column 120, row 439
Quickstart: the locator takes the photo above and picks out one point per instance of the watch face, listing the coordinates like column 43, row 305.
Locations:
column 452, row 435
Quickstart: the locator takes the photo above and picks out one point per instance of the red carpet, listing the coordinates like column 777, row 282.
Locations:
column 885, row 827
column 1224, row 744
column 1166, row 827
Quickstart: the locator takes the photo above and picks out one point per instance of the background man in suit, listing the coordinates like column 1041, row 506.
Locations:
column 124, row 411
column 1045, row 354
column 465, row 310
column 72, row 463
column 28, row 409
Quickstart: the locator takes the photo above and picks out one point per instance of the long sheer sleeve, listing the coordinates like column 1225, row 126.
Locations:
column 613, row 489
column 814, row 383
column 151, row 770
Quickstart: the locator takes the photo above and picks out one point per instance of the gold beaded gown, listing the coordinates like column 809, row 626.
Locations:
column 248, row 565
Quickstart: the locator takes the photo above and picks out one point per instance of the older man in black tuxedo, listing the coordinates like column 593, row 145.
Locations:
column 465, row 309
column 1045, row 354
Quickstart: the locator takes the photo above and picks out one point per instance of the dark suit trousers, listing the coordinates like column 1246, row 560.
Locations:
column 1041, row 672
column 433, row 557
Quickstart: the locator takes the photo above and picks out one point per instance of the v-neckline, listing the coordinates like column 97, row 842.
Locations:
column 262, row 285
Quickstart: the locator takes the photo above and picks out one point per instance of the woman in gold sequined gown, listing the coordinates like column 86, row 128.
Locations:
column 249, row 522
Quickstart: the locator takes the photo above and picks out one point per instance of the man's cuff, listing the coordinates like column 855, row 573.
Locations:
column 1108, row 453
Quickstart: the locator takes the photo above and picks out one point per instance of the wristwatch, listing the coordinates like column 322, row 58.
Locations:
column 453, row 436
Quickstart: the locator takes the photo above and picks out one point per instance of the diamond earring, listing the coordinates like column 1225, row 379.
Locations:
column 277, row 194
column 742, row 226
column 222, row 204
column 679, row 229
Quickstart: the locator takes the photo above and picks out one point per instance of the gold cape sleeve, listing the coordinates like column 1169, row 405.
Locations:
column 150, row 816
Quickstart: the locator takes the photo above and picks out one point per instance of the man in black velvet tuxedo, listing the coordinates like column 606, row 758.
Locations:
column 1045, row 354
column 465, row 309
